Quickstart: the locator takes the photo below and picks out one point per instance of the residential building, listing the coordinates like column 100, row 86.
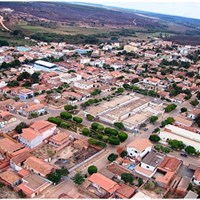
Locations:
column 60, row 140
column 38, row 166
column 10, row 178
column 33, row 184
column 149, row 164
column 25, row 94
column 196, row 176
column 167, row 170
column 9, row 147
column 36, row 133
column 139, row 148
column 104, row 186
column 84, row 85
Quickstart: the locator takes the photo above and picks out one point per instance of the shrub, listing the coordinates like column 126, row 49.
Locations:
column 122, row 136
column 114, row 140
column 105, row 138
column 92, row 169
column 65, row 125
column 85, row 131
column 150, row 185
column 112, row 157
column 78, row 120
column 96, row 142
column 90, row 117
column 154, row 138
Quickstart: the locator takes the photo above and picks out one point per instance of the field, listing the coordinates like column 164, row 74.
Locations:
column 66, row 30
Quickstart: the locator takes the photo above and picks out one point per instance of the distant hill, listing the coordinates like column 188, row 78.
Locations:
column 38, row 18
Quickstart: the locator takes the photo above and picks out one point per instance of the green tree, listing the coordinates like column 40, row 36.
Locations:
column 20, row 126
column 190, row 150
column 123, row 153
column 112, row 157
column 78, row 178
column 122, row 136
column 127, row 178
column 197, row 120
column 183, row 109
column 153, row 119
column 114, row 140
column 119, row 125
column 140, row 181
column 65, row 115
column 198, row 95
column 69, row 107
column 35, row 77
column 34, row 115
column 94, row 125
column 170, row 108
column 154, row 138
column 176, row 144
column 85, row 131
column 55, row 120
column 90, row 117
column 78, row 120
column 100, row 127
column 92, row 169
column 194, row 102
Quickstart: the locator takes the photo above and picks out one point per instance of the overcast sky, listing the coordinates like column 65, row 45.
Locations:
column 186, row 8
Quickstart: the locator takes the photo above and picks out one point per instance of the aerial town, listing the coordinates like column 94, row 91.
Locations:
column 118, row 120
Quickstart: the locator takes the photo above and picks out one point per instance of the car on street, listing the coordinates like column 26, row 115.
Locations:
column 183, row 155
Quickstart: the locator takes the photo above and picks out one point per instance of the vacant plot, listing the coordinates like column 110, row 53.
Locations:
column 70, row 156
column 44, row 152
column 6, row 193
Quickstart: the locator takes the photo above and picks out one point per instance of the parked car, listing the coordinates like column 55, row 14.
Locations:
column 145, row 129
column 183, row 155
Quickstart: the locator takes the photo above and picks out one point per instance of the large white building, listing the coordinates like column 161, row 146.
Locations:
column 189, row 136
column 45, row 66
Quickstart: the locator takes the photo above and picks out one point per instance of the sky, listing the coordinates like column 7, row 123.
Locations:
column 185, row 8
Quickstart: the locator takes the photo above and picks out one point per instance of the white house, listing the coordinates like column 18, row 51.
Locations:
column 68, row 78
column 84, row 85
column 139, row 148
column 36, row 133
